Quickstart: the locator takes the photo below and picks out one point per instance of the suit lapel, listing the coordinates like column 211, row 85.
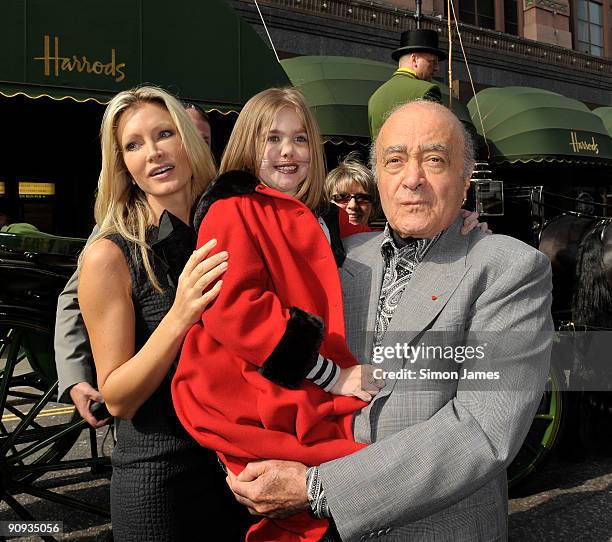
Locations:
column 431, row 286
column 361, row 281
column 429, row 289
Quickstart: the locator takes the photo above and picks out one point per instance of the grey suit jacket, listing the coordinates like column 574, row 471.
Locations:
column 73, row 357
column 435, row 469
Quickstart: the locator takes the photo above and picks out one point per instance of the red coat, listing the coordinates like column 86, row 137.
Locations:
column 278, row 258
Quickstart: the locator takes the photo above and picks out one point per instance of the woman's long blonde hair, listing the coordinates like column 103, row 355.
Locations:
column 121, row 206
column 246, row 144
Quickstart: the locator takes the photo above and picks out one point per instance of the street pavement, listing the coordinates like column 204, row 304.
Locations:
column 565, row 500
column 93, row 488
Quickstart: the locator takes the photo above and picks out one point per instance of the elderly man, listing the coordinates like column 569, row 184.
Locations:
column 417, row 56
column 439, row 445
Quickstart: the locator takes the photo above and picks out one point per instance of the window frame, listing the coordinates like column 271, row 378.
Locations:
column 586, row 26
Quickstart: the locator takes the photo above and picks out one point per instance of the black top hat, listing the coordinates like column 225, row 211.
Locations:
column 413, row 41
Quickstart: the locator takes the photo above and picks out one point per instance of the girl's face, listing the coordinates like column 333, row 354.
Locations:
column 286, row 156
column 153, row 151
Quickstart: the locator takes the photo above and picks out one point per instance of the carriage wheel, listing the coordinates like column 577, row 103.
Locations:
column 544, row 433
column 35, row 432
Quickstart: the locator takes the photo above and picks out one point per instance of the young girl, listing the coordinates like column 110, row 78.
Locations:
column 254, row 378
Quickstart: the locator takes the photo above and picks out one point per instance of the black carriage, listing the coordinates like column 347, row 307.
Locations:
column 36, row 431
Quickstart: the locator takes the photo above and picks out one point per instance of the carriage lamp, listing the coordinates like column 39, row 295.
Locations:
column 488, row 194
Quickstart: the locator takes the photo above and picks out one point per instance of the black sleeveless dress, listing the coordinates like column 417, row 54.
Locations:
column 165, row 486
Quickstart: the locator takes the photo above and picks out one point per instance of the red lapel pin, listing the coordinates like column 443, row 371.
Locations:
column 434, row 297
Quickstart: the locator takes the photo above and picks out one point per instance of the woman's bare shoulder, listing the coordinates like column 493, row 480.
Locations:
column 103, row 262
column 103, row 252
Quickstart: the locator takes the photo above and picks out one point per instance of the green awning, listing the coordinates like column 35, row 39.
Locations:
column 201, row 51
column 605, row 114
column 338, row 88
column 523, row 124
column 459, row 108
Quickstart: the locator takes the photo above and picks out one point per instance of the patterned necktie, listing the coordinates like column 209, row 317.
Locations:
column 400, row 265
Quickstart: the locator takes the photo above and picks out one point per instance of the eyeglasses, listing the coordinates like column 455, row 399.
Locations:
column 346, row 198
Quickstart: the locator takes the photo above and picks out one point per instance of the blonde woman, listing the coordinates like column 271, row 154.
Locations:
column 138, row 305
column 351, row 187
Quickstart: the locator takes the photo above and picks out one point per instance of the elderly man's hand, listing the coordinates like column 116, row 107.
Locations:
column 276, row 489
column 470, row 221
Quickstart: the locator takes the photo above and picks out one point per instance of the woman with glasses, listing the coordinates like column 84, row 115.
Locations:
column 351, row 187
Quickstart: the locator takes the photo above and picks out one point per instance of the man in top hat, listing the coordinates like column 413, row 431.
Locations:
column 418, row 57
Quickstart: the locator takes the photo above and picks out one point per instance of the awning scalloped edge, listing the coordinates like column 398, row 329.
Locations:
column 552, row 159
column 36, row 96
column 338, row 140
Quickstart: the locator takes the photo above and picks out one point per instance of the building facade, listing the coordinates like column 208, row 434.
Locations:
column 560, row 45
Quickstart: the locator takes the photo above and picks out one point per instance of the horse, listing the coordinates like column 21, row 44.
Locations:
column 580, row 251
column 560, row 239
column 592, row 300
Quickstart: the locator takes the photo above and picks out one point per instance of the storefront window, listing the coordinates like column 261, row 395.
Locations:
column 590, row 28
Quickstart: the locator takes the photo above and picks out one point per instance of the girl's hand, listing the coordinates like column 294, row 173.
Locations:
column 470, row 221
column 358, row 381
column 192, row 296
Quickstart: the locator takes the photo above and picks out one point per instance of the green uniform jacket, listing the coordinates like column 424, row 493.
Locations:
column 401, row 88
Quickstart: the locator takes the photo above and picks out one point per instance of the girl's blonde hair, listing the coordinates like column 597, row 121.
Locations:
column 246, row 144
column 348, row 171
column 121, row 206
